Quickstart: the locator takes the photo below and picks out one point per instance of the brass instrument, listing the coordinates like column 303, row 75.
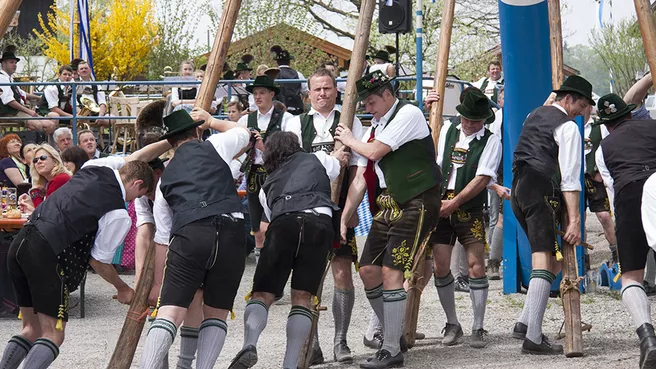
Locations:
column 88, row 107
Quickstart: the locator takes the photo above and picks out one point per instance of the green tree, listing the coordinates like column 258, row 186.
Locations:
column 30, row 49
column 591, row 66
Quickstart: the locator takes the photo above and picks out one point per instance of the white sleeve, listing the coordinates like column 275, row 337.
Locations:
column 144, row 211
column 648, row 210
column 52, row 96
column 114, row 162
column 175, row 95
column 362, row 161
column 603, row 170
column 112, row 229
column 263, row 201
column 330, row 163
column 163, row 217
column 292, row 124
column 409, row 124
column 230, row 143
column 490, row 158
column 442, row 142
column 101, row 98
column 243, row 121
column 358, row 133
column 604, row 131
column 569, row 142
column 235, row 168
column 7, row 95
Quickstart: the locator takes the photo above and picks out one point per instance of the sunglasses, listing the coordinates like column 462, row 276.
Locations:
column 42, row 158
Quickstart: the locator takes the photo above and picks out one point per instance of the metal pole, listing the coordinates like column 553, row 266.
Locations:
column 71, row 39
column 74, row 111
column 398, row 64
column 419, row 55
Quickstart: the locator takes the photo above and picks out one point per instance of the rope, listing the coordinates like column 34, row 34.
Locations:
column 137, row 316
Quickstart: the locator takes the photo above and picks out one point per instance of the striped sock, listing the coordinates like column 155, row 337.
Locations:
column 299, row 324
column 160, row 337
column 42, row 354
column 394, row 310
column 446, row 291
column 211, row 337
column 537, row 296
column 375, row 297
column 255, row 320
column 478, row 289
column 15, row 351
column 636, row 302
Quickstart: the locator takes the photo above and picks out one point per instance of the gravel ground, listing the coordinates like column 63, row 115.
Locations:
column 612, row 341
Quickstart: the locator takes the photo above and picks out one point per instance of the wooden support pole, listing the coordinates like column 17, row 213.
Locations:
column 435, row 120
column 569, row 286
column 8, row 9
column 136, row 317
column 648, row 31
column 346, row 118
column 218, row 54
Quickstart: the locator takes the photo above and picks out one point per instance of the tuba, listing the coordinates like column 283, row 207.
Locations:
column 88, row 107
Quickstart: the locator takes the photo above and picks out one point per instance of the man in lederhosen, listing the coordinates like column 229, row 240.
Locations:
column 81, row 223
column 402, row 150
column 316, row 129
column 626, row 160
column 262, row 122
column 207, row 243
column 547, row 171
column 296, row 198
column 469, row 156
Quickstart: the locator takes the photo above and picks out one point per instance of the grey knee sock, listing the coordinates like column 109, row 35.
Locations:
column 394, row 313
column 188, row 345
column 343, row 301
column 211, row 337
column 42, row 354
column 255, row 320
column 165, row 363
column 375, row 297
column 650, row 268
column 496, row 245
column 299, row 324
column 538, row 294
column 446, row 292
column 160, row 337
column 636, row 302
column 478, row 289
column 374, row 326
column 15, row 351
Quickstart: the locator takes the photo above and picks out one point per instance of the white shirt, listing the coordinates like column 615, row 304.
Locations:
column 7, row 94
column 113, row 226
column 380, row 67
column 409, row 125
column 144, row 211
column 322, row 126
column 304, row 86
column 331, row 164
column 588, row 144
column 568, row 139
column 227, row 144
column 101, row 94
column 497, row 126
column 488, row 162
column 52, row 95
column 491, row 85
column 262, row 125
column 605, row 173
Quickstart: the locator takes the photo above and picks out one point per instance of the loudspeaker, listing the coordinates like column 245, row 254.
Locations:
column 396, row 18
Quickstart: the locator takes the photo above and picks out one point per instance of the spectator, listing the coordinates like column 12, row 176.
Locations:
column 63, row 138
column 341, row 86
column 92, row 92
column 13, row 99
column 382, row 61
column 56, row 100
column 87, row 141
column 178, row 94
column 27, row 154
column 13, row 170
column 73, row 158
column 235, row 109
column 489, row 84
column 48, row 174
column 260, row 69
column 290, row 93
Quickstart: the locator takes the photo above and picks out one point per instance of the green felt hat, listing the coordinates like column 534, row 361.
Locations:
column 475, row 106
column 263, row 81
column 612, row 107
column 579, row 85
column 178, row 122
column 371, row 83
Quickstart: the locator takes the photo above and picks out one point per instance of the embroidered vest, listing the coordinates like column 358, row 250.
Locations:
column 467, row 172
column 309, row 132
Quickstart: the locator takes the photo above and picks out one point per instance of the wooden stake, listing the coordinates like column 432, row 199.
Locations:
column 569, row 289
column 648, row 31
column 136, row 317
column 435, row 119
column 346, row 118
column 217, row 55
column 8, row 9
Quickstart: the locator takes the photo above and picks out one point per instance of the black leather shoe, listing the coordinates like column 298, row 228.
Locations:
column 403, row 344
column 519, row 331
column 317, row 356
column 647, row 346
column 245, row 358
column 376, row 343
column 542, row 348
column 342, row 353
column 383, row 360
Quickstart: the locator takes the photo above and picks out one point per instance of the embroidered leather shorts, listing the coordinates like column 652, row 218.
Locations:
column 464, row 226
column 595, row 196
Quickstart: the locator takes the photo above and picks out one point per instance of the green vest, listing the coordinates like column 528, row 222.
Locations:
column 467, row 172
column 411, row 169
column 274, row 126
column 593, row 142
column 495, row 94
column 6, row 109
column 308, row 132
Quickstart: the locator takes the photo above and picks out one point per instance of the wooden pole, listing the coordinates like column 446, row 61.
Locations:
column 648, row 31
column 569, row 286
column 218, row 54
column 136, row 317
column 8, row 9
column 346, row 118
column 435, row 120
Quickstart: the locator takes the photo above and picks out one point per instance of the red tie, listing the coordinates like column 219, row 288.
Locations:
column 370, row 178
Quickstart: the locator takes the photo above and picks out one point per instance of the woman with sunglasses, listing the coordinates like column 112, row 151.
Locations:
column 13, row 170
column 48, row 174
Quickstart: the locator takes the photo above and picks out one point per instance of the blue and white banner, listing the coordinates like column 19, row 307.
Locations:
column 85, row 35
